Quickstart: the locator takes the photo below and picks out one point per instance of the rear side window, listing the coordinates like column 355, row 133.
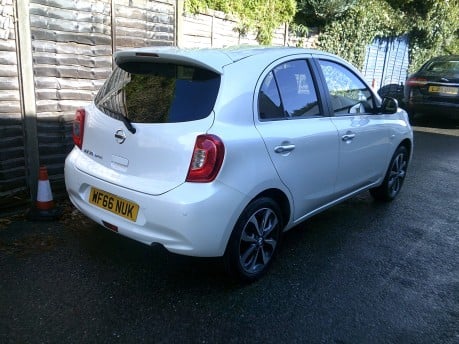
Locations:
column 158, row 93
column 288, row 92
column 269, row 103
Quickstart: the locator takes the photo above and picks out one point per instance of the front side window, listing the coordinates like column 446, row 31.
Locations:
column 158, row 93
column 349, row 95
column 288, row 92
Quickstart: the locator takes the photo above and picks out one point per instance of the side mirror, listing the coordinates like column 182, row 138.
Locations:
column 389, row 106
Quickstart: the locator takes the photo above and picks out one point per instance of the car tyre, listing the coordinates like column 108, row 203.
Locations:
column 411, row 116
column 254, row 241
column 394, row 178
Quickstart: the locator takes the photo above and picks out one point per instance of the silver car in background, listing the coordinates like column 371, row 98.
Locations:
column 216, row 153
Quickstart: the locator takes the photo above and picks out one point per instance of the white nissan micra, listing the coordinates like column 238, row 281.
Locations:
column 218, row 152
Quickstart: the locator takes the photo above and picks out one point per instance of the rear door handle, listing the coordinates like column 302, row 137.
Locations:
column 348, row 137
column 284, row 148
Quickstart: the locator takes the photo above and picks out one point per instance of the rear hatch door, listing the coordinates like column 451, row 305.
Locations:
column 141, row 129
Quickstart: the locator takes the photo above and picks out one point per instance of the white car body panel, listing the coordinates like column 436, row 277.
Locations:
column 363, row 159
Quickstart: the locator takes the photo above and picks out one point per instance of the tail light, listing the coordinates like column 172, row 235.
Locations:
column 78, row 127
column 207, row 159
column 416, row 81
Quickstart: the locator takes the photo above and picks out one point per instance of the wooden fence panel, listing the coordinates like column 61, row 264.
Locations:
column 212, row 29
column 12, row 162
column 141, row 23
column 71, row 50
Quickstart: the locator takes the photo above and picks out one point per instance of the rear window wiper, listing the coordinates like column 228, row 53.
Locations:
column 122, row 118
column 128, row 124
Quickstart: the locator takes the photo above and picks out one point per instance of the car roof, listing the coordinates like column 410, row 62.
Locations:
column 212, row 59
column 445, row 58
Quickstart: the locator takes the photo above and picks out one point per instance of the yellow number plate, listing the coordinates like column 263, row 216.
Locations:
column 114, row 204
column 444, row 90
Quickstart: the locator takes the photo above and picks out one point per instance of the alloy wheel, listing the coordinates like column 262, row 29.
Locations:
column 397, row 174
column 258, row 241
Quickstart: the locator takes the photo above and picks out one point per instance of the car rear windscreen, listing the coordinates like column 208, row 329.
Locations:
column 158, row 92
column 450, row 67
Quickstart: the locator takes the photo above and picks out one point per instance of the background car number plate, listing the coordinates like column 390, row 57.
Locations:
column 444, row 89
column 114, row 204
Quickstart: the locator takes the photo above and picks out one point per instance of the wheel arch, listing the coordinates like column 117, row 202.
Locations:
column 246, row 245
column 281, row 199
column 408, row 144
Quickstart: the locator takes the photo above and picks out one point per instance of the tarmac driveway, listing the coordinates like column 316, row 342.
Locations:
column 361, row 272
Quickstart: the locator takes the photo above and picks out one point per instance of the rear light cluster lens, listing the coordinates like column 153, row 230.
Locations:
column 78, row 127
column 207, row 159
column 416, row 82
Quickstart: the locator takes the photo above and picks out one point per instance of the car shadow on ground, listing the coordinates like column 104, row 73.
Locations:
column 95, row 249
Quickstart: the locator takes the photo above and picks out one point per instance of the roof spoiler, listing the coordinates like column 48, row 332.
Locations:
column 206, row 59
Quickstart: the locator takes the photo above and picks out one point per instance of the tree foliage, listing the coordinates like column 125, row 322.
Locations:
column 349, row 36
column 435, row 29
column 320, row 12
column 431, row 25
column 263, row 16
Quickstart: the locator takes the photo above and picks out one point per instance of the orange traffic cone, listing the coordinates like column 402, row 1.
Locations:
column 44, row 206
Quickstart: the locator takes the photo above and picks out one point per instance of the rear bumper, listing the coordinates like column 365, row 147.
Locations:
column 193, row 219
column 443, row 109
